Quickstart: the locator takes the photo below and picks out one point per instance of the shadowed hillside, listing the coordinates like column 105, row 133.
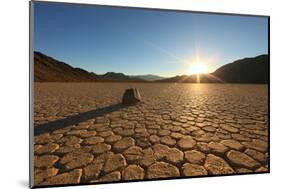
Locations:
column 247, row 70
column 48, row 69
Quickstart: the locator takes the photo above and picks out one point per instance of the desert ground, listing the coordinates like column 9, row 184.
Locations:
column 83, row 134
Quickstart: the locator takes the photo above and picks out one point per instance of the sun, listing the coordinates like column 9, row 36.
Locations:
column 198, row 68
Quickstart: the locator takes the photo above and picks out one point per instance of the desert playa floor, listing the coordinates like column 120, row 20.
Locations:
column 84, row 135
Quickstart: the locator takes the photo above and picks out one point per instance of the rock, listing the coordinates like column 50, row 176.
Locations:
column 186, row 143
column 233, row 144
column 240, row 159
column 174, row 156
column 257, row 155
column 217, row 166
column 75, row 160
column 72, row 177
column 114, row 162
column 168, row 141
column 45, row 161
column 133, row 172
column 217, row 148
column 123, row 144
column 100, row 148
column 133, row 154
column 194, row 157
column 93, row 140
column 189, row 169
column 131, row 96
column 162, row 170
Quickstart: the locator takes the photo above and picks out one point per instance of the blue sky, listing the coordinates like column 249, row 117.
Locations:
column 137, row 41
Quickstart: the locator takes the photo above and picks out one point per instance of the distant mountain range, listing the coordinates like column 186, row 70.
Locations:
column 112, row 76
column 248, row 70
column 149, row 77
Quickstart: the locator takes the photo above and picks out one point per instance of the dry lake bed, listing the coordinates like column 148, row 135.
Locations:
column 84, row 135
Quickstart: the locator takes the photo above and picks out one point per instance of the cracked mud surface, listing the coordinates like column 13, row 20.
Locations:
column 83, row 134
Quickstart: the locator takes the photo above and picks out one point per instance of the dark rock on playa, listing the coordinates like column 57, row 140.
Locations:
column 131, row 96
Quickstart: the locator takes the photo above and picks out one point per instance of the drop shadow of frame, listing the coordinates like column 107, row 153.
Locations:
column 72, row 120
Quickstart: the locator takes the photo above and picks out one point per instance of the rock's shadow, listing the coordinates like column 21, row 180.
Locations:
column 72, row 120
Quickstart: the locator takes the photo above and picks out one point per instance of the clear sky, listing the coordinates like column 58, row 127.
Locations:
column 144, row 41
